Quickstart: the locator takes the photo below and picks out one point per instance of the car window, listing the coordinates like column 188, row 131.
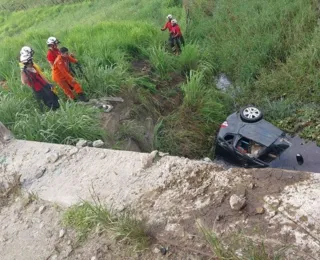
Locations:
column 255, row 150
column 229, row 138
column 243, row 145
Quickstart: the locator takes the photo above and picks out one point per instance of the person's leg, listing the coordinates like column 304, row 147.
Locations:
column 75, row 86
column 78, row 89
column 66, row 88
column 171, row 41
column 49, row 98
column 178, row 44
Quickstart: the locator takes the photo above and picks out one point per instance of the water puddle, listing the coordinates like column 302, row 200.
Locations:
column 222, row 82
column 309, row 151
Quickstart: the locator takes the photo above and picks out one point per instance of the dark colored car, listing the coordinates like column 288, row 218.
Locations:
column 246, row 138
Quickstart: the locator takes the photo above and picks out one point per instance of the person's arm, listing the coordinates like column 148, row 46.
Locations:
column 50, row 59
column 24, row 78
column 165, row 27
column 61, row 67
column 176, row 32
column 72, row 59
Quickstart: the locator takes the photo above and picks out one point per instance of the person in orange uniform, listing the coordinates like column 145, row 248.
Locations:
column 168, row 26
column 177, row 35
column 62, row 76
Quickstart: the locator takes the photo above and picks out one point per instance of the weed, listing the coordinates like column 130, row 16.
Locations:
column 147, row 84
column 70, row 122
column 240, row 247
column 79, row 217
column 189, row 130
column 123, row 227
column 162, row 61
column 10, row 186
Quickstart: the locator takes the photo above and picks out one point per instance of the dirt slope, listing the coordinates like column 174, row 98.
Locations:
column 172, row 194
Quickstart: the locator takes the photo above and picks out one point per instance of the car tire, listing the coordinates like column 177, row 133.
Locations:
column 251, row 114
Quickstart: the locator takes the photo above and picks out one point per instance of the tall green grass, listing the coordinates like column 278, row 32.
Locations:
column 191, row 130
column 268, row 48
column 65, row 125
column 242, row 37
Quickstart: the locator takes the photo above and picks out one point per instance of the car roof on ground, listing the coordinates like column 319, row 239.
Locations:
column 261, row 132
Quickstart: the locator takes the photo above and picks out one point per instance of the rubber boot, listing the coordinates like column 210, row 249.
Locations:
column 82, row 97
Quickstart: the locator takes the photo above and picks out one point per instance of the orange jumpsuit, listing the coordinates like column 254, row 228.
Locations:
column 61, row 75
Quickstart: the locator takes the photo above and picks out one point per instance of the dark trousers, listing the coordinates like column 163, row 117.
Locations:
column 47, row 97
column 178, row 41
column 171, row 42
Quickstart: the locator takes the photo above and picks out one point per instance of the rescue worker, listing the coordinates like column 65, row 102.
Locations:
column 28, row 51
column 32, row 76
column 53, row 50
column 62, row 76
column 168, row 26
column 25, row 50
column 177, row 35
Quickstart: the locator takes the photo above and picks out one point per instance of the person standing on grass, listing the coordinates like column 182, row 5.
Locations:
column 177, row 35
column 32, row 76
column 168, row 26
column 53, row 50
column 25, row 51
column 62, row 76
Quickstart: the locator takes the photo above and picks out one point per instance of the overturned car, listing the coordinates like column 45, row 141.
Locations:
column 246, row 138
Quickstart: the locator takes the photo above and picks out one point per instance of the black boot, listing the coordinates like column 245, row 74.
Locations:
column 82, row 97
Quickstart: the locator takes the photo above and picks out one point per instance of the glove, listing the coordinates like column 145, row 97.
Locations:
column 162, row 29
column 54, row 89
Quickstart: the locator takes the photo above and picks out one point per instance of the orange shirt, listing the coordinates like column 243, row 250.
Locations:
column 60, row 70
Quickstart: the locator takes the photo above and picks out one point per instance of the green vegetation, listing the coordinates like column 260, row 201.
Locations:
column 248, row 249
column 269, row 49
column 123, row 227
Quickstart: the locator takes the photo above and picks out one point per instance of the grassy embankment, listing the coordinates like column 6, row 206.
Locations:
column 269, row 49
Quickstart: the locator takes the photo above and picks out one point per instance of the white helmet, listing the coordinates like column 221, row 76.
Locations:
column 25, row 58
column 174, row 21
column 169, row 16
column 52, row 40
column 26, row 50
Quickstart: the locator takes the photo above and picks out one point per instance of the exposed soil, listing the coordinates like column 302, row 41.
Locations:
column 167, row 98
column 31, row 229
column 209, row 196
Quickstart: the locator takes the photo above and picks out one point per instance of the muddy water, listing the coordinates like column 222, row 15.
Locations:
column 310, row 152
column 287, row 160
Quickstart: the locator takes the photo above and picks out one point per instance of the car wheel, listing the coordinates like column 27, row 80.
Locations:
column 250, row 114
